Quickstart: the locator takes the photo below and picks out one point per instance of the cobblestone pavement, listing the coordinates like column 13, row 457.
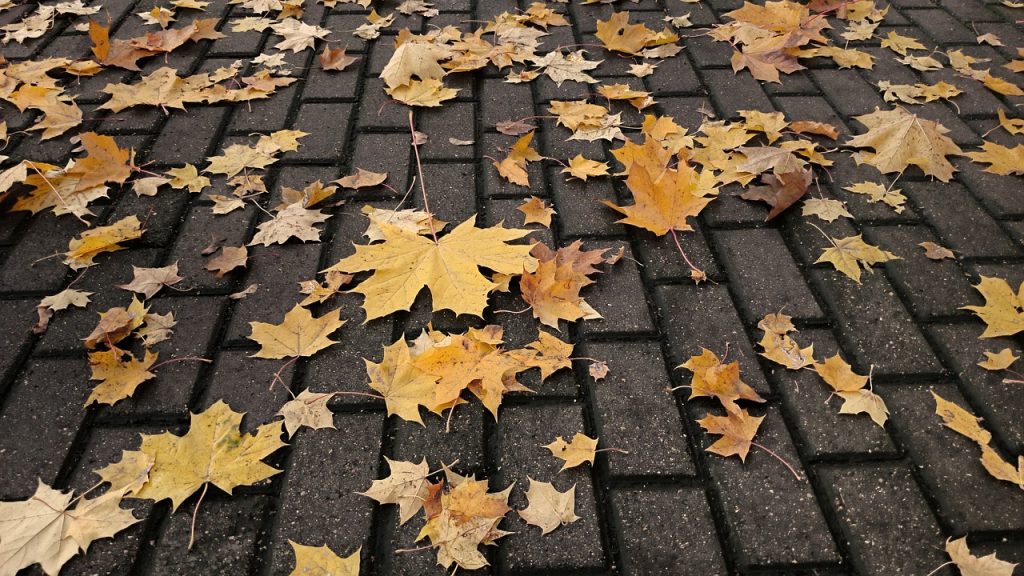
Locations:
column 875, row 501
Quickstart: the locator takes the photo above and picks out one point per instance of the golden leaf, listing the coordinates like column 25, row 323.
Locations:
column 298, row 335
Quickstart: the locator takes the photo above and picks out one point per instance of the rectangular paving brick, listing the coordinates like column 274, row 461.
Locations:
column 36, row 432
column 695, row 317
column 319, row 504
column 635, row 411
column 764, row 504
column 522, row 432
column 750, row 270
column 676, row 538
column 882, row 509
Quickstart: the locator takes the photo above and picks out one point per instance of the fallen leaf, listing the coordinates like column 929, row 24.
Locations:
column 448, row 268
column 298, row 335
column 334, row 59
column 211, row 452
column 1003, row 312
column 548, row 508
column 936, row 252
column 119, row 377
column 95, row 241
column 737, row 430
column 362, row 179
column 902, row 139
column 581, row 449
column 961, row 421
column 583, row 168
column 149, row 281
column 971, row 565
column 406, row 485
column 404, row 385
column 230, row 257
column 295, row 221
column 828, row 209
column 1003, row 161
column 998, row 360
column 536, row 211
column 849, row 254
column 322, row 561
column 307, row 409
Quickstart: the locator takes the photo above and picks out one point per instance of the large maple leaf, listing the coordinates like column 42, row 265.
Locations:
column 45, row 529
column 665, row 201
column 902, row 139
column 212, row 452
column 449, row 267
column 1003, row 312
column 298, row 335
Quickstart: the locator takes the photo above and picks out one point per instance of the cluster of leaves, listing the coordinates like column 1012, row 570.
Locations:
column 779, row 347
column 45, row 529
column 966, row 424
column 435, row 370
column 111, row 360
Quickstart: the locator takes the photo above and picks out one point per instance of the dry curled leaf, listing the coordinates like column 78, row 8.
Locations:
column 307, row 409
column 548, row 508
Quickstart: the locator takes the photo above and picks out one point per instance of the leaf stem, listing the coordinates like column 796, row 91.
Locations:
column 777, row 457
column 419, row 170
column 195, row 513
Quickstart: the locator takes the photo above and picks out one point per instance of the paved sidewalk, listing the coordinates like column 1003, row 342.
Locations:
column 874, row 501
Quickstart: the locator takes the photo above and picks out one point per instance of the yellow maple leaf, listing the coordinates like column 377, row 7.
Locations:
column 211, row 452
column 119, row 378
column 322, row 561
column 961, row 421
column 536, row 211
column 902, row 139
column 583, row 168
column 737, row 430
column 1003, row 312
column 548, row 508
column 663, row 201
column 849, row 254
column 713, row 379
column 1002, row 160
column 581, row 449
column 298, row 335
column 307, row 409
column 91, row 243
column 998, row 360
column 403, row 384
column 449, row 268
column 513, row 166
column 429, row 93
column 406, row 485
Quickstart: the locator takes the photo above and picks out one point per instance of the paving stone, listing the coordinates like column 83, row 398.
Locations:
column 815, row 409
column 327, row 125
column 388, row 153
column 452, row 121
column 663, row 262
column 881, row 509
column 960, row 221
column 618, row 316
column 21, row 316
column 998, row 405
column 634, row 411
column 933, row 288
column 246, row 385
column 441, row 440
column 319, row 504
column 894, row 346
column 703, row 316
column 187, row 137
column 264, row 115
column 732, row 93
column 667, row 532
column 451, row 191
column 521, row 433
column 36, row 432
column 749, row 269
column 580, row 212
column 228, row 537
column 201, row 228
column 277, row 270
column 772, row 517
column 967, row 496
column 849, row 93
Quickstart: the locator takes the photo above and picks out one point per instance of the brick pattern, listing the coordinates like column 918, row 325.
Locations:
column 873, row 501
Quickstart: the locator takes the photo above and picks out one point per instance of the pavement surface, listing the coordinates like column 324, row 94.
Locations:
column 874, row 501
